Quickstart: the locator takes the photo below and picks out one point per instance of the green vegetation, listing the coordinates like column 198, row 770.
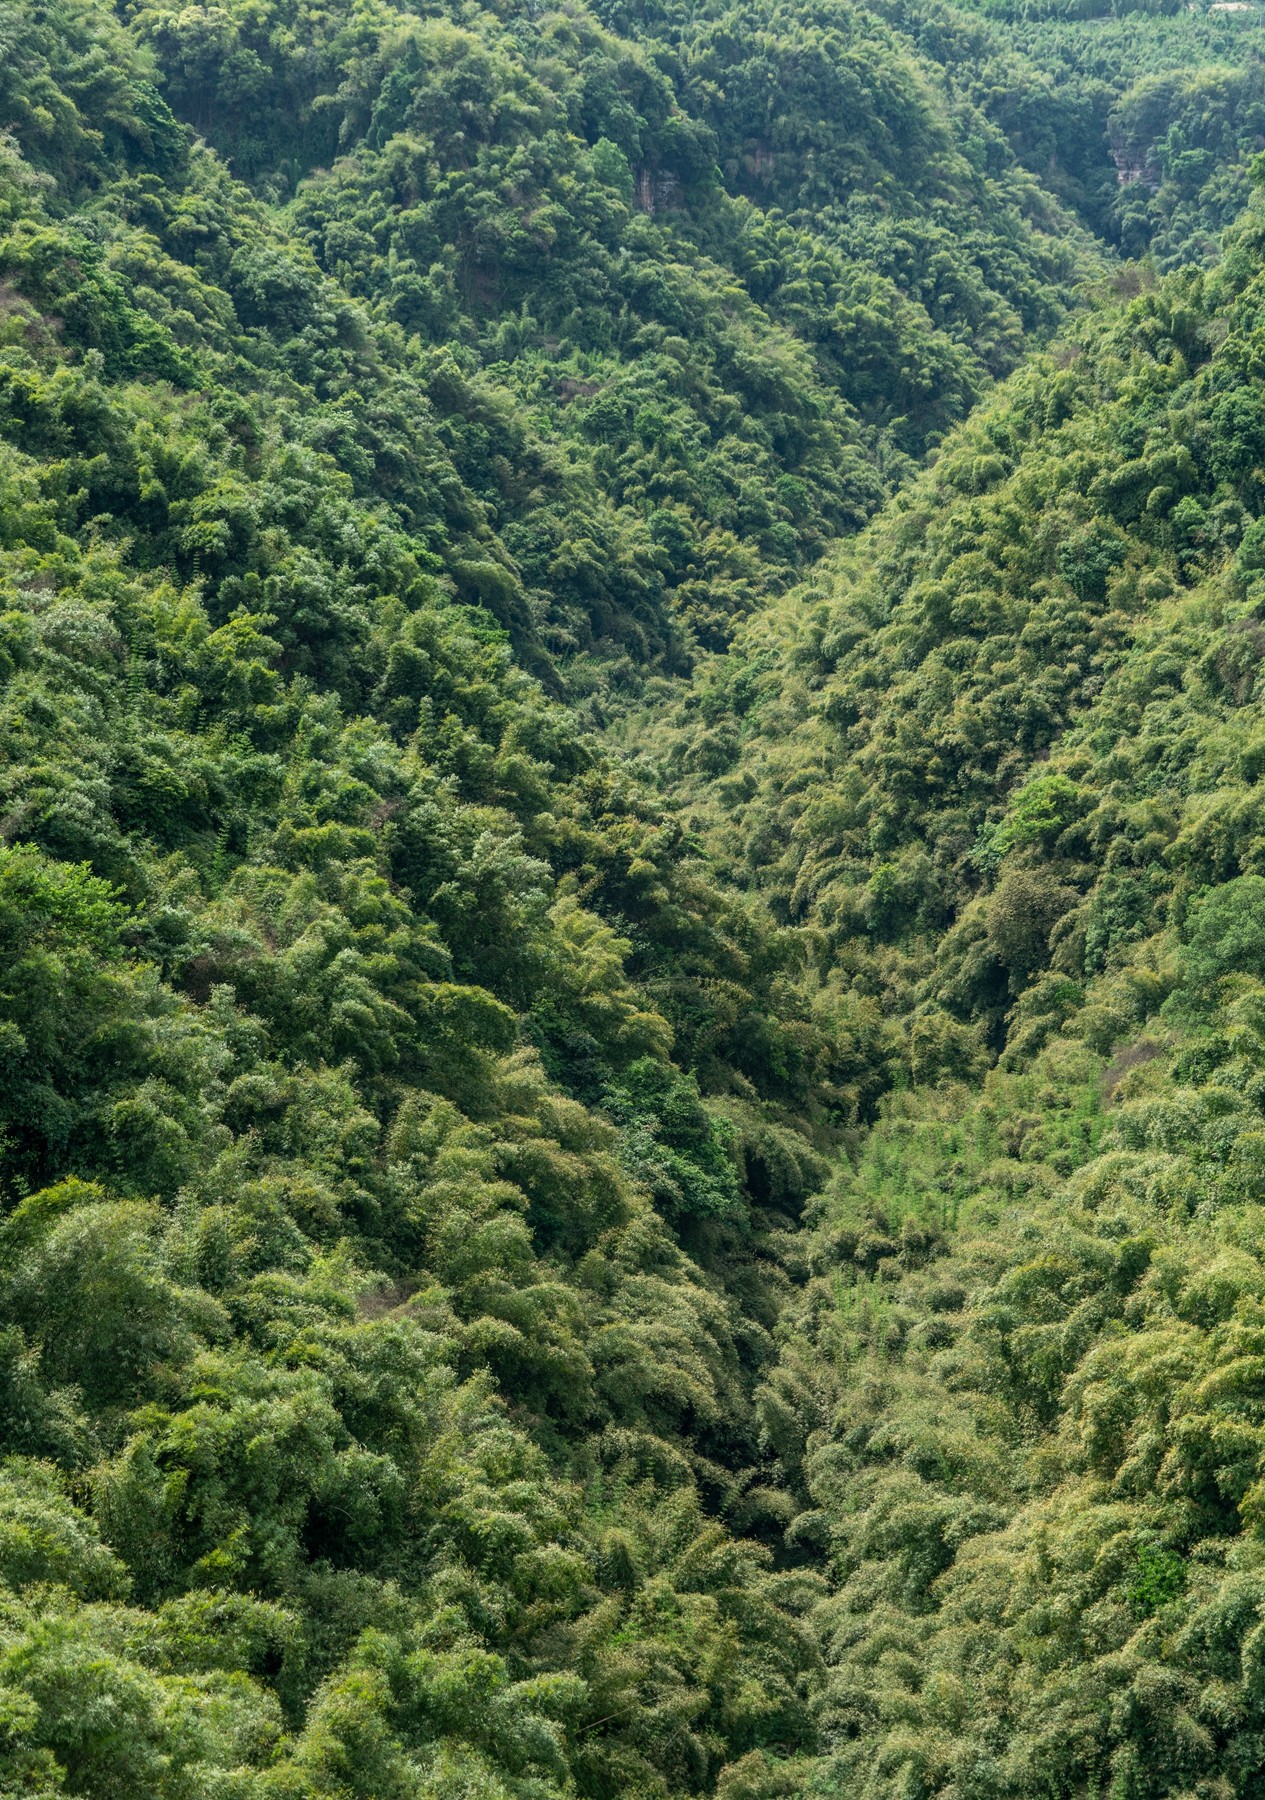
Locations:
column 1001, row 768
column 632, row 902
column 1144, row 125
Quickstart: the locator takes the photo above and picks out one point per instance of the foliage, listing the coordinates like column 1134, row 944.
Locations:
column 629, row 1137
column 1000, row 765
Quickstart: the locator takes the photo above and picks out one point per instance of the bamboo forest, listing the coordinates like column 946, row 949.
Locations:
column 632, row 899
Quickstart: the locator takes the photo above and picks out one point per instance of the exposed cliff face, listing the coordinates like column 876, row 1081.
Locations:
column 658, row 190
column 1135, row 164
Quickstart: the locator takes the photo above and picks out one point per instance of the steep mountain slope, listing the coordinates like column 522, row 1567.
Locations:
column 416, row 1376
column 1005, row 772
column 1143, row 124
column 381, row 1303
column 729, row 369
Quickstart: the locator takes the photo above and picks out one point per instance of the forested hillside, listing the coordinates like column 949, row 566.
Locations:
column 632, row 909
column 1002, row 766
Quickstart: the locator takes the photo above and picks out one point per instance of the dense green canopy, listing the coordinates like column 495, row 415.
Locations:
column 632, row 902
